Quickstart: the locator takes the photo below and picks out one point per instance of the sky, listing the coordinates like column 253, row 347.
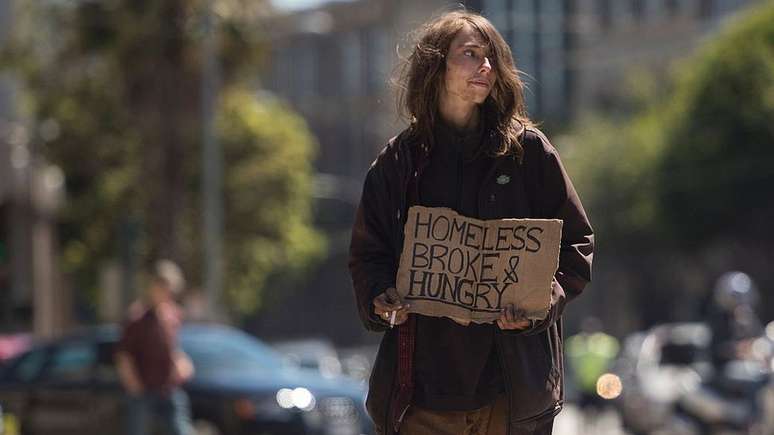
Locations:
column 294, row 5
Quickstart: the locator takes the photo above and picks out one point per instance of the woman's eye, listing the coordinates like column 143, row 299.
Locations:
column 470, row 53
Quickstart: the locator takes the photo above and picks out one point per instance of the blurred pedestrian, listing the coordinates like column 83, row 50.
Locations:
column 150, row 363
column 470, row 147
column 732, row 318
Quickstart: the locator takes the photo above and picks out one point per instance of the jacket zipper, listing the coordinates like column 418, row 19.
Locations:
column 459, row 179
column 403, row 206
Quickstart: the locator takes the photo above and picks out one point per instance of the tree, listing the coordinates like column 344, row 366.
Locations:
column 680, row 191
column 114, row 90
column 715, row 174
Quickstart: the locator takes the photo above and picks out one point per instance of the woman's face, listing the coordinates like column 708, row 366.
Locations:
column 470, row 74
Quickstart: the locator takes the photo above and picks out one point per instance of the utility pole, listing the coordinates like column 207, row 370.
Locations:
column 51, row 302
column 538, row 56
column 212, row 167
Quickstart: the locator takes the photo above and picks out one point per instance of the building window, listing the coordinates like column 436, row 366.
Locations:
column 621, row 13
column 604, row 14
column 552, row 58
column 523, row 36
column 654, row 10
column 475, row 5
column 378, row 60
column 306, row 68
column 705, row 9
column 672, row 7
column 280, row 71
column 638, row 10
column 496, row 12
column 352, row 63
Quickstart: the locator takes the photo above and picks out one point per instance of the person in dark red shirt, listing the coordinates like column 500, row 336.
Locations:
column 150, row 363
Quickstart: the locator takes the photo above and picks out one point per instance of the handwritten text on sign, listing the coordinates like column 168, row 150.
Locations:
column 468, row 269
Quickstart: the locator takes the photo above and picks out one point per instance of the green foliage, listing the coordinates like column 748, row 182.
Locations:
column 612, row 164
column 695, row 162
column 268, row 187
column 716, row 171
column 114, row 89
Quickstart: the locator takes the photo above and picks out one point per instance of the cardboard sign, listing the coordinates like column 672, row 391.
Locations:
column 468, row 269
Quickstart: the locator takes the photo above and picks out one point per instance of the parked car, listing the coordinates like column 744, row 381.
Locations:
column 241, row 386
column 12, row 345
column 314, row 353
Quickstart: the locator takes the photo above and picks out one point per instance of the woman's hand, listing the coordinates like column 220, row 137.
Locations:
column 511, row 318
column 387, row 303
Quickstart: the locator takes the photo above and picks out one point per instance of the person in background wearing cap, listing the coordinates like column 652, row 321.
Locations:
column 150, row 363
column 731, row 317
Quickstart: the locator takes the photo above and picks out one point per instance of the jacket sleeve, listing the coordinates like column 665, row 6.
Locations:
column 556, row 198
column 372, row 262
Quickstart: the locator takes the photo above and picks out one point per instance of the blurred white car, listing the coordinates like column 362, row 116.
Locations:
column 314, row 353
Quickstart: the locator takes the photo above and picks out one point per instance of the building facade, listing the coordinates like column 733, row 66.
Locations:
column 576, row 55
column 333, row 64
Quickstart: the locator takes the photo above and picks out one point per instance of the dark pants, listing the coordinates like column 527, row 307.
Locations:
column 170, row 412
column 489, row 420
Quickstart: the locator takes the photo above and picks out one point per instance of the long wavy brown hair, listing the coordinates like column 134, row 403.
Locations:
column 421, row 74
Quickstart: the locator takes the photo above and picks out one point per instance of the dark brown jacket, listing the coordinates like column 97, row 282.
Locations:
column 539, row 187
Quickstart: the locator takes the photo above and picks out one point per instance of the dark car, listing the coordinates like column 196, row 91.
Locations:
column 241, row 386
column 12, row 345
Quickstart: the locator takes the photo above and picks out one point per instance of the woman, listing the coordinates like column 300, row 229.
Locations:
column 470, row 147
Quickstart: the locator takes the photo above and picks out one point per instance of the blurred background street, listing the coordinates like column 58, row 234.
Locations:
column 233, row 136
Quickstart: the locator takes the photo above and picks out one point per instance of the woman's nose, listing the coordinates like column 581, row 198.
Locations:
column 486, row 65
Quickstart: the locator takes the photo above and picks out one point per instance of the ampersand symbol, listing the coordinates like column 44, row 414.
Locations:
column 510, row 275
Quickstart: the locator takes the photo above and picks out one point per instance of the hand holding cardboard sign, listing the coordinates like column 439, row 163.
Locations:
column 513, row 318
column 390, row 302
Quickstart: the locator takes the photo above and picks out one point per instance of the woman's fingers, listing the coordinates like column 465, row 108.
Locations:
column 521, row 324
column 401, row 316
column 384, row 305
column 512, row 318
column 392, row 295
column 520, row 318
